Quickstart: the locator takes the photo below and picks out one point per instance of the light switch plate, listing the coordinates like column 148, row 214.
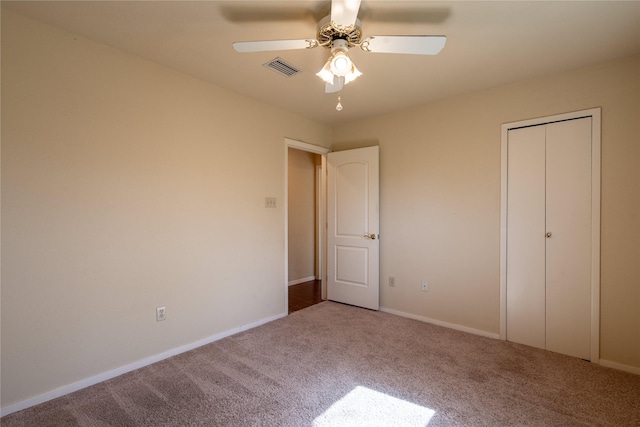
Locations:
column 269, row 202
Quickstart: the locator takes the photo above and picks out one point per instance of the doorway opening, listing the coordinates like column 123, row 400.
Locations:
column 305, row 224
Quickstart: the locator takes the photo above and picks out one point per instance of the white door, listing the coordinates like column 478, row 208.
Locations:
column 549, row 236
column 353, row 227
column 525, row 237
column 568, row 256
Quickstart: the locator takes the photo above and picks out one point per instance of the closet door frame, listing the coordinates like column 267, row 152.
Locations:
column 595, row 114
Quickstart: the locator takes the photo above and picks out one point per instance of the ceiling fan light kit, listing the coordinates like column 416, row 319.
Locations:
column 339, row 65
column 340, row 31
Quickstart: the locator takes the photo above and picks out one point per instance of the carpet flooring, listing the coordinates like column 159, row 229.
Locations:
column 337, row 365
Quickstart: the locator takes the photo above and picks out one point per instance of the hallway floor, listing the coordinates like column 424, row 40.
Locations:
column 304, row 295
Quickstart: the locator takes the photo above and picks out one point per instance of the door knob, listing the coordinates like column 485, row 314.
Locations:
column 370, row 236
column 548, row 234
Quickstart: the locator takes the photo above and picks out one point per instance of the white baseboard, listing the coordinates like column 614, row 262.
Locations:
column 441, row 323
column 303, row 280
column 70, row 388
column 602, row 362
column 620, row 366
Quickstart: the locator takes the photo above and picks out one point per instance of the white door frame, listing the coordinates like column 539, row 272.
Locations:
column 322, row 206
column 320, row 197
column 595, row 114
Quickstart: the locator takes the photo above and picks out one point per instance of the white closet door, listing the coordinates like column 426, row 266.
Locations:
column 568, row 249
column 526, row 237
column 549, row 236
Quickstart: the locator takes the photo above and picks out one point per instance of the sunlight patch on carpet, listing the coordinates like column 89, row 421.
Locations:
column 366, row 407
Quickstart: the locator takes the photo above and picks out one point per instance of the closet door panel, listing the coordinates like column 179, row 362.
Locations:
column 568, row 250
column 525, row 236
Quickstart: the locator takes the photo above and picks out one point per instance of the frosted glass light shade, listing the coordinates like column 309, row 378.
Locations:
column 339, row 65
column 326, row 74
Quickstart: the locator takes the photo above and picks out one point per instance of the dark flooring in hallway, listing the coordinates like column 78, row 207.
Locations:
column 304, row 295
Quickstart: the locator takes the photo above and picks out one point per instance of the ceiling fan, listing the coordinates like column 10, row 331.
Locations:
column 340, row 31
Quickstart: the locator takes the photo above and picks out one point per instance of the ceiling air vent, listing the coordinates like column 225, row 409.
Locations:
column 281, row 67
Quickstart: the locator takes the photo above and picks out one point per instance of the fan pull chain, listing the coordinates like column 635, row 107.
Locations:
column 339, row 106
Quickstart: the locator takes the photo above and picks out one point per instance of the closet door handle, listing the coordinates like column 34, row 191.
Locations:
column 548, row 234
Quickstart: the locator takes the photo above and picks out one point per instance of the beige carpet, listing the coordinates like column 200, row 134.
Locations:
column 336, row 365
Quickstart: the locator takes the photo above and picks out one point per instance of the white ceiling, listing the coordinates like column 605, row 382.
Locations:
column 489, row 43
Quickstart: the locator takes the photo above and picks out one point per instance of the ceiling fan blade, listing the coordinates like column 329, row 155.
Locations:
column 268, row 45
column 274, row 12
column 252, row 12
column 411, row 12
column 417, row 45
column 344, row 12
column 338, row 83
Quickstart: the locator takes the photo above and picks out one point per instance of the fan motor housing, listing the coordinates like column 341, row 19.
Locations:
column 328, row 32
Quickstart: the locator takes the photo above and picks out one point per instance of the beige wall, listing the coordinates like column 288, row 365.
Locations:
column 127, row 186
column 302, row 214
column 440, row 198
